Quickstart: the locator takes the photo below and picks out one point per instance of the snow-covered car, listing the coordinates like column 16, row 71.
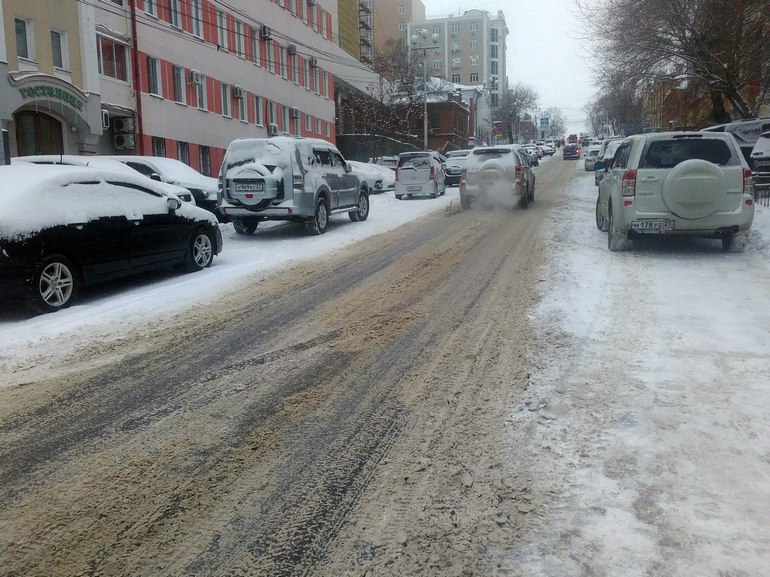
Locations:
column 420, row 174
column 677, row 183
column 388, row 175
column 606, row 153
column 760, row 156
column 592, row 155
column 369, row 173
column 203, row 188
column 454, row 166
column 288, row 178
column 104, row 163
column 64, row 227
column 496, row 176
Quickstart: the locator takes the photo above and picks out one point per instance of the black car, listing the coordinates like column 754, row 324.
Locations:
column 571, row 151
column 65, row 227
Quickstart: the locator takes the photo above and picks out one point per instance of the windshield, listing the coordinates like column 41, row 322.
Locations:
column 669, row 153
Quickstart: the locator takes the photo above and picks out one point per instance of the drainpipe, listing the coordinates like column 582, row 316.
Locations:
column 136, row 80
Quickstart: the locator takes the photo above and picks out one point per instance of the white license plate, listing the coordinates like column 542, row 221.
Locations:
column 249, row 187
column 652, row 225
column 762, row 163
column 414, row 188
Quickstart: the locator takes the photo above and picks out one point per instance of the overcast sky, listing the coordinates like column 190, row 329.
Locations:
column 545, row 50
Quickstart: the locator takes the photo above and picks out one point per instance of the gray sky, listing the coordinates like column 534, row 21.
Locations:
column 544, row 50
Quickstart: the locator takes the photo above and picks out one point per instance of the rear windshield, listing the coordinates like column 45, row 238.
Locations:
column 414, row 161
column 492, row 152
column 762, row 147
column 669, row 153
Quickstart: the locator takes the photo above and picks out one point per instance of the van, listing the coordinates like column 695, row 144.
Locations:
column 288, row 178
column 420, row 174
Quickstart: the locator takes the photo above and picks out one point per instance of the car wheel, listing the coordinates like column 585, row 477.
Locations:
column 532, row 194
column 245, row 225
column 735, row 241
column 398, row 196
column 200, row 252
column 616, row 240
column 320, row 220
column 465, row 202
column 601, row 222
column 524, row 202
column 54, row 284
column 434, row 194
column 362, row 212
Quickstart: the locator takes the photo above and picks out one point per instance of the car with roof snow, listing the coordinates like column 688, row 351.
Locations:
column 169, row 170
column 497, row 176
column 678, row 184
column 420, row 173
column 65, row 227
column 289, row 178
column 760, row 156
column 455, row 164
column 106, row 164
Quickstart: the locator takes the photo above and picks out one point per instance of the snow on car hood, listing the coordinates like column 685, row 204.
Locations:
column 29, row 198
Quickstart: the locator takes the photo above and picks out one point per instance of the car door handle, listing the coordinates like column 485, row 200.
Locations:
column 649, row 179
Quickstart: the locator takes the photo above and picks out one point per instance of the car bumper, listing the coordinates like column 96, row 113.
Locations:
column 426, row 189
column 629, row 219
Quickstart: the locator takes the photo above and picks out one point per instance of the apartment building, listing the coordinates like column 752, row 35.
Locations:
column 356, row 28
column 471, row 49
column 391, row 18
column 49, row 92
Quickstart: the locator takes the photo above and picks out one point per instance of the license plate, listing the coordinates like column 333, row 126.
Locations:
column 249, row 187
column 762, row 163
column 414, row 188
column 652, row 225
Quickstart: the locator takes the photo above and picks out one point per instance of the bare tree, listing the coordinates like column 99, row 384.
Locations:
column 556, row 122
column 719, row 46
column 514, row 101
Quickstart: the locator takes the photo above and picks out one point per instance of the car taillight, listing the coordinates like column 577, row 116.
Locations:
column 519, row 172
column 748, row 182
column 432, row 172
column 463, row 174
column 628, row 187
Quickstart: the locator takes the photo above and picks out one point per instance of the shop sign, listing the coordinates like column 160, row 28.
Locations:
column 52, row 92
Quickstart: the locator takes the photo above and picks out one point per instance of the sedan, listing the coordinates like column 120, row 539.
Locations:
column 64, row 227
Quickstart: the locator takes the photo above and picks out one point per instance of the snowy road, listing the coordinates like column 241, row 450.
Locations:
column 479, row 393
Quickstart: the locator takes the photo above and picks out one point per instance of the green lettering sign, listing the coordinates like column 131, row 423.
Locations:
column 52, row 92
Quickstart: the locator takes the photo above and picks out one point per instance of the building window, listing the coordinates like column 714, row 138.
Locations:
column 271, row 112
column 294, row 69
column 455, row 63
column 196, row 11
column 474, row 26
column 255, row 46
column 150, row 7
column 239, row 44
column 455, row 28
column 493, row 34
column 474, row 43
column 285, row 119
column 59, row 50
column 455, row 46
column 306, row 73
column 402, row 26
column 205, row 160
column 222, row 30
column 177, row 78
column 402, row 9
column 322, row 23
column 200, row 94
column 112, row 58
column 158, row 146
column 474, row 78
column 25, row 40
column 326, row 84
column 456, row 78
column 436, row 64
column 328, row 129
column 318, row 126
column 183, row 152
column 493, row 51
column 242, row 109
column 225, row 99
column 316, row 81
column 437, row 30
column 474, row 60
column 173, row 13
column 153, row 76
column 308, row 123
column 493, row 67
column 269, row 55
column 282, row 56
column 257, row 110
column 402, row 42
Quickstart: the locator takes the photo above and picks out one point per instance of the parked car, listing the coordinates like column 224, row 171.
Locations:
column 592, row 155
column 606, row 154
column 677, row 183
column 760, row 155
column 455, row 163
column 496, row 176
column 288, row 178
column 388, row 175
column 548, row 150
column 64, row 227
column 389, row 161
column 531, row 153
column 571, row 152
column 203, row 188
column 746, row 133
column 420, row 174
column 369, row 173
column 105, row 164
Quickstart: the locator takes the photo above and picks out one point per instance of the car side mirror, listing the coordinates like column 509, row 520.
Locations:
column 155, row 176
column 173, row 203
column 599, row 165
column 348, row 167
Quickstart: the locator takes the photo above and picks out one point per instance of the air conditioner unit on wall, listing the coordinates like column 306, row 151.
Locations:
column 194, row 77
column 124, row 141
column 122, row 125
column 313, row 62
column 265, row 32
column 294, row 112
column 272, row 129
column 311, row 2
column 292, row 48
column 238, row 91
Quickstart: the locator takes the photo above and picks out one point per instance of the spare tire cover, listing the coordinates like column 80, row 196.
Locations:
column 694, row 188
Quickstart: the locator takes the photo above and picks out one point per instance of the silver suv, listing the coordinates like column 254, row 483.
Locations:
column 497, row 176
column 288, row 178
column 676, row 183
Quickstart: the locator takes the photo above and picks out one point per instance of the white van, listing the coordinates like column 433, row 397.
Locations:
column 420, row 174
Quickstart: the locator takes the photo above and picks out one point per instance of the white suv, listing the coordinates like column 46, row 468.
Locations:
column 676, row 183
column 289, row 178
column 420, row 174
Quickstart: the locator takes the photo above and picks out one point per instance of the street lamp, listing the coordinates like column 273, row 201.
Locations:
column 418, row 43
